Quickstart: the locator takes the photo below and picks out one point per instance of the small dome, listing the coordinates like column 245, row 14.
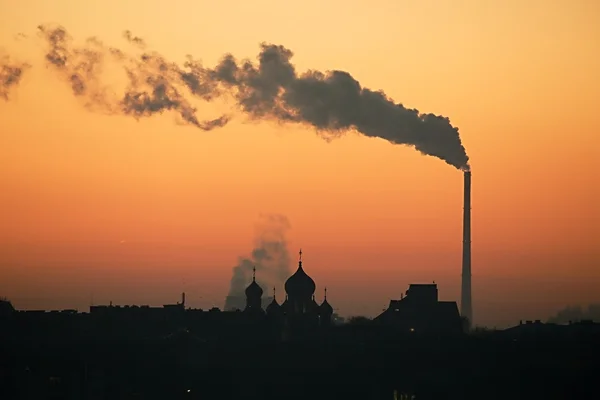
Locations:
column 254, row 290
column 325, row 307
column 300, row 284
column 273, row 307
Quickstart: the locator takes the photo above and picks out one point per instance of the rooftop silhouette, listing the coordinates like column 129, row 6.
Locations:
column 418, row 348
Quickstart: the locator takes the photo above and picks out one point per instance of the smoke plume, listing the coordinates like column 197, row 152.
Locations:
column 80, row 67
column 576, row 314
column 270, row 257
column 332, row 102
column 11, row 73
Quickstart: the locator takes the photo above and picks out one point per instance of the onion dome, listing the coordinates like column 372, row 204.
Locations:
column 325, row 307
column 254, row 290
column 300, row 284
column 274, row 306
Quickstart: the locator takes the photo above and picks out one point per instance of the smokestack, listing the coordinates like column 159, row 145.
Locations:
column 465, row 301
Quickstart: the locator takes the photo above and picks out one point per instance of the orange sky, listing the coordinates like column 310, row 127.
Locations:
column 136, row 212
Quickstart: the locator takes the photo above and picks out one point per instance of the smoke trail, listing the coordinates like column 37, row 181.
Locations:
column 332, row 102
column 270, row 256
column 81, row 67
column 11, row 73
column 135, row 40
column 152, row 87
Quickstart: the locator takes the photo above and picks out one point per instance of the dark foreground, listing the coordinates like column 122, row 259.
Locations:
column 184, row 367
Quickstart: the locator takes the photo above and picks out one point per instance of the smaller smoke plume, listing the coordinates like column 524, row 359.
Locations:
column 270, row 257
column 11, row 73
column 576, row 314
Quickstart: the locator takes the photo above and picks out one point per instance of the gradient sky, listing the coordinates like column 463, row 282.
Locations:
column 99, row 208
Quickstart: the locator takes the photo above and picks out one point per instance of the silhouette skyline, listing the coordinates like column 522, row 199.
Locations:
column 117, row 350
column 103, row 207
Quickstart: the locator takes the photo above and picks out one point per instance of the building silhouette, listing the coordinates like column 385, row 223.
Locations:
column 297, row 316
column 416, row 348
column 420, row 311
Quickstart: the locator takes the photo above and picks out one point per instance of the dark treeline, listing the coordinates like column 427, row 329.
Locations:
column 345, row 363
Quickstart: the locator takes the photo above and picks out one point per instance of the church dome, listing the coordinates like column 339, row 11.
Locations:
column 326, row 308
column 300, row 284
column 273, row 307
column 254, row 290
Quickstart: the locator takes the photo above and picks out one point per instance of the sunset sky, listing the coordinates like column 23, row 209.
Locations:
column 106, row 208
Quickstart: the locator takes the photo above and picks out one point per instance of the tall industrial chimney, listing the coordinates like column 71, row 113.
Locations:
column 466, row 309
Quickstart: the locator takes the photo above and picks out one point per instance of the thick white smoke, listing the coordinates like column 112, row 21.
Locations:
column 270, row 257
